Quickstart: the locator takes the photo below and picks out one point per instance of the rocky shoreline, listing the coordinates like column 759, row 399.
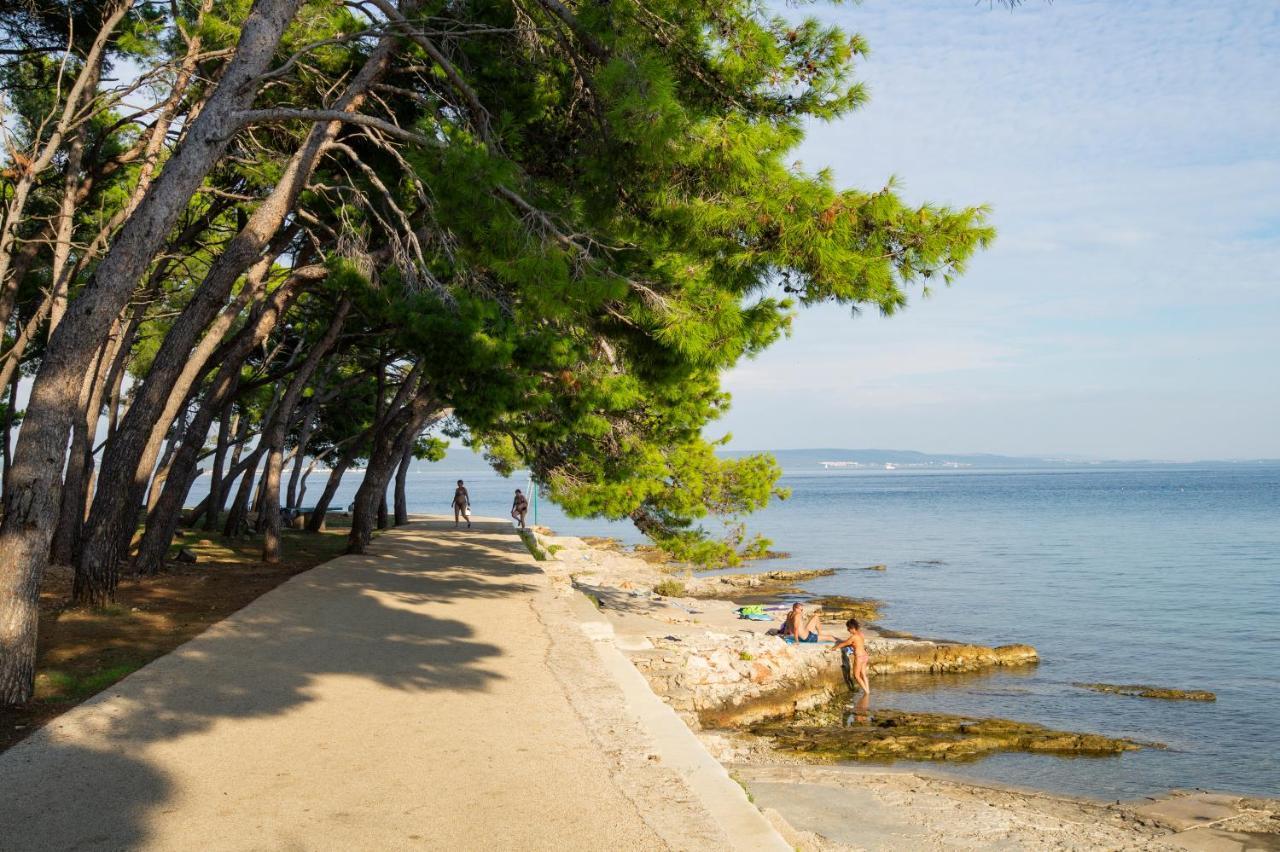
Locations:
column 718, row 670
column 764, row 708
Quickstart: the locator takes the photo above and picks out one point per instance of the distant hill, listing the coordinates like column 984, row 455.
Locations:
column 812, row 459
column 463, row 461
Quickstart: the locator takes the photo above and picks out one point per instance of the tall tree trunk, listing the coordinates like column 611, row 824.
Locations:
column 214, row 512
column 9, row 411
column 166, row 513
column 280, row 426
column 177, row 367
column 238, row 515
column 402, row 477
column 302, row 483
column 300, row 456
column 316, row 520
column 75, row 491
column 59, row 274
column 227, row 423
column 164, row 467
column 388, row 446
column 34, row 496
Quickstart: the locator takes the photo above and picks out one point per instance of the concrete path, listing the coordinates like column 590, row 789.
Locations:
column 436, row 693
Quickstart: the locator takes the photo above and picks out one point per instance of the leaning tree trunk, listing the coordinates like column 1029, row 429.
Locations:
column 238, row 516
column 280, row 425
column 163, row 520
column 388, row 446
column 316, row 519
column 75, row 490
column 165, row 466
column 402, row 477
column 176, row 367
column 216, row 501
column 304, row 438
column 34, row 496
column 8, row 435
column 226, row 427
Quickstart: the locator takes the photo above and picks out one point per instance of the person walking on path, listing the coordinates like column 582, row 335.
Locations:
column 461, row 504
column 520, row 508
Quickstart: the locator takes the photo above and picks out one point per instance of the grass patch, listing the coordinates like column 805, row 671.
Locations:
column 531, row 542
column 60, row 686
column 670, row 588
column 297, row 547
column 739, row 782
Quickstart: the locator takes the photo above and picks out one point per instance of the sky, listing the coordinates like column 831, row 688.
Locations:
column 1130, row 306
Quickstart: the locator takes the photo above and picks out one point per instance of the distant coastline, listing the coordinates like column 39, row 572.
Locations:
column 837, row 458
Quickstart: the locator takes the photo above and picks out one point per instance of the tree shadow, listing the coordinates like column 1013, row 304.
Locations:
column 92, row 778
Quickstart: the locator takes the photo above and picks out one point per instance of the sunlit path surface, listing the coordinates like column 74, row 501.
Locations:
column 410, row 698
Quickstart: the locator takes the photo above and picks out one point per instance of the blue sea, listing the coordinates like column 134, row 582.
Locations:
column 1145, row 574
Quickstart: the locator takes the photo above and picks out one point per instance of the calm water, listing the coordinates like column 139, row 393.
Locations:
column 1168, row 576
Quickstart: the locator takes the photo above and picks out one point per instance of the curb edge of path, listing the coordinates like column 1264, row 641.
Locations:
column 741, row 821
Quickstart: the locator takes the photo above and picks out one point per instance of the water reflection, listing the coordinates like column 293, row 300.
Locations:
column 860, row 712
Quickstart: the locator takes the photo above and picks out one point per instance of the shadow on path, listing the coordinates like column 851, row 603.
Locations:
column 96, row 775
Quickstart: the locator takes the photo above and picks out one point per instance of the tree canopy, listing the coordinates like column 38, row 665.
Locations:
column 321, row 230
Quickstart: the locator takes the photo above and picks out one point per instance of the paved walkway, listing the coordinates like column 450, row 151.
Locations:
column 432, row 694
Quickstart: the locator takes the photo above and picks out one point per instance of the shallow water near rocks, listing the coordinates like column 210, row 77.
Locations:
column 1162, row 576
column 1157, row 575
column 1167, row 576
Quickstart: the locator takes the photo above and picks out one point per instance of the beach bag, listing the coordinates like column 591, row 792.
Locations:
column 754, row 612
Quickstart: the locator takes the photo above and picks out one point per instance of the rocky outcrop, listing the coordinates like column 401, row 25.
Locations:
column 751, row 588
column 721, row 679
column 1138, row 690
column 894, row 735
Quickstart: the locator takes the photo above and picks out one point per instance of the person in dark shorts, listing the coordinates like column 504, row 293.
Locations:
column 519, row 508
column 461, row 504
column 856, row 645
column 797, row 628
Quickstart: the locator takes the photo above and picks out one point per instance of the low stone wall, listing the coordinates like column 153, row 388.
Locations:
column 717, row 679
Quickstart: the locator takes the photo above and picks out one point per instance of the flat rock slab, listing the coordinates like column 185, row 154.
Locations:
column 1181, row 812
column 849, row 817
column 1218, row 840
column 401, row 699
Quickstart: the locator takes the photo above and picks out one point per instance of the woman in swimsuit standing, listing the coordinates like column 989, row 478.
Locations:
column 861, row 659
column 461, row 504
